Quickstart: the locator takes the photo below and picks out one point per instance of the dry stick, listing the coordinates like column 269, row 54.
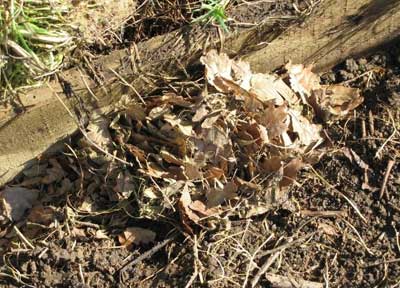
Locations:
column 23, row 238
column 264, row 268
column 195, row 262
column 278, row 281
column 286, row 245
column 252, row 259
column 145, row 255
column 352, row 204
column 386, row 178
column 371, row 123
column 327, row 213
column 277, row 251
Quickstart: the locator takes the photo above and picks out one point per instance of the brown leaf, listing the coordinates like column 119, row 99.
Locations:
column 138, row 153
column 78, row 233
column 170, row 158
column 184, row 203
column 201, row 208
column 218, row 69
column 100, row 234
column 53, row 174
column 268, row 88
column 274, row 119
column 153, row 170
column 302, row 80
column 335, row 101
column 159, row 111
column 136, row 236
column 290, row 172
column 210, row 121
column 192, row 171
column 175, row 99
column 135, row 111
column 307, row 133
column 235, row 77
column 98, row 130
column 42, row 215
column 217, row 196
column 124, row 184
column 14, row 201
column 213, row 173
column 200, row 114
column 270, row 165
column 184, row 128
column 186, row 214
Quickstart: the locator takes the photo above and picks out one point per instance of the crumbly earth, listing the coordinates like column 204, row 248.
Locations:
column 72, row 246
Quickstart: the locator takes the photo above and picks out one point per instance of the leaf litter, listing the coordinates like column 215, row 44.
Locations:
column 233, row 149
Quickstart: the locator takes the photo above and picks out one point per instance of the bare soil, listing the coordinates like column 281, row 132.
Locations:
column 339, row 248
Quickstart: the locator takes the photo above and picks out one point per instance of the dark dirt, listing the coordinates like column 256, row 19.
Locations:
column 342, row 250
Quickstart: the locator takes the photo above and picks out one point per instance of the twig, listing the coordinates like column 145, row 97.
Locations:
column 395, row 260
column 145, row 255
column 371, row 123
column 389, row 167
column 128, row 85
column 286, row 245
column 352, row 204
column 327, row 213
column 252, row 260
column 195, row 262
column 23, row 238
column 278, row 281
column 81, row 275
column 395, row 131
column 264, row 268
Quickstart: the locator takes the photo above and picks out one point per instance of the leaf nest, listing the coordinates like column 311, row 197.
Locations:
column 233, row 149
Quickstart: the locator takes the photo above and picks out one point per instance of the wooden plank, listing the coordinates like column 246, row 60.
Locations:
column 340, row 29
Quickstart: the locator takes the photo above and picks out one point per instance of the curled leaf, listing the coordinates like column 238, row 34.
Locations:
column 15, row 201
column 217, row 196
column 136, row 236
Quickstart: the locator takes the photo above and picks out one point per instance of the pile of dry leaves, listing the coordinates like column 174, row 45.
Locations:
column 233, row 149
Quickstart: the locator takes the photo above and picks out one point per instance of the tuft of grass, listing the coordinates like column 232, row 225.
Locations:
column 214, row 12
column 34, row 38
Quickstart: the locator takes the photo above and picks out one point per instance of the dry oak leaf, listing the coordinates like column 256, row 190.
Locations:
column 271, row 165
column 290, row 171
column 307, row 132
column 274, row 119
column 302, row 80
column 14, row 201
column 202, row 209
column 269, row 87
column 227, row 75
column 44, row 215
column 184, row 202
column 53, row 174
column 335, row 101
column 184, row 128
column 216, row 196
column 136, row 236
column 124, row 185
column 200, row 113
column 98, row 130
